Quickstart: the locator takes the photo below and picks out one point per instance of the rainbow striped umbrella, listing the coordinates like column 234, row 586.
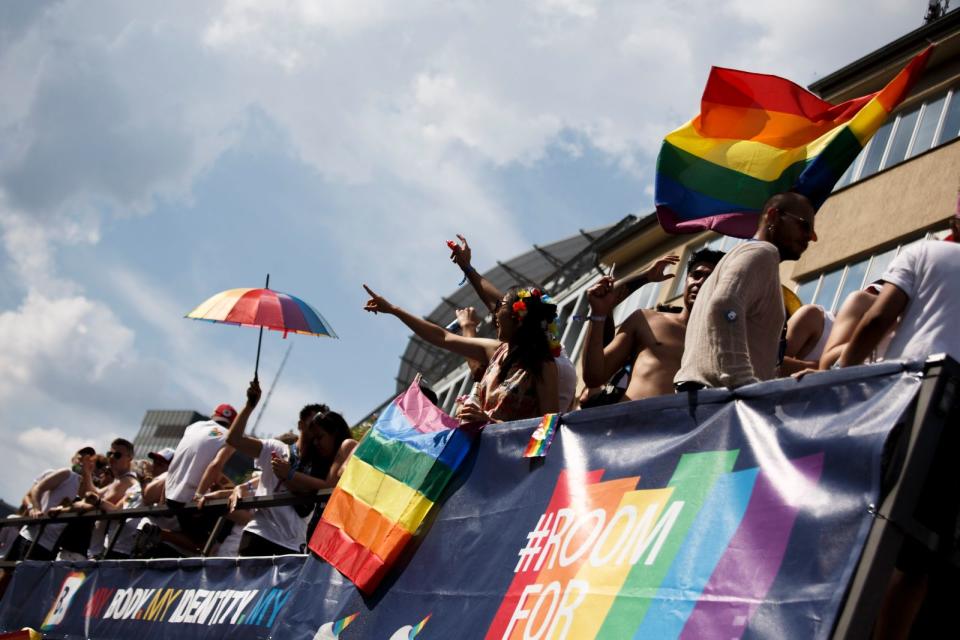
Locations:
column 263, row 308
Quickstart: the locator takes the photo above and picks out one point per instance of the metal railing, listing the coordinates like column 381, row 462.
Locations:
column 219, row 507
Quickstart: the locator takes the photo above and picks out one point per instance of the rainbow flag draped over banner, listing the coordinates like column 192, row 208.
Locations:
column 758, row 135
column 392, row 480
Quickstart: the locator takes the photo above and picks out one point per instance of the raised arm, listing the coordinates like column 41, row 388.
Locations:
column 475, row 348
column 599, row 362
column 235, row 436
column 86, row 474
column 468, row 321
column 656, row 272
column 461, row 255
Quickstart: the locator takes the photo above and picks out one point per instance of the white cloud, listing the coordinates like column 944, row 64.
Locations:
column 575, row 8
column 406, row 112
column 45, row 338
column 51, row 447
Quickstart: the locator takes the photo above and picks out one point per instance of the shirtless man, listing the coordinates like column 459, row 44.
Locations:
column 654, row 339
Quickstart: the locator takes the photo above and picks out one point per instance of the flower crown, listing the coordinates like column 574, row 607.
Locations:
column 520, row 311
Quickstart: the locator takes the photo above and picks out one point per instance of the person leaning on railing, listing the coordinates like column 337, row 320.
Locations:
column 52, row 489
column 521, row 379
column 280, row 530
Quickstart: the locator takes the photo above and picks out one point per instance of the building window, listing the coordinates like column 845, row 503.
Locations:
column 169, row 430
column 831, row 288
column 951, row 119
column 875, row 150
column 929, row 120
column 906, row 134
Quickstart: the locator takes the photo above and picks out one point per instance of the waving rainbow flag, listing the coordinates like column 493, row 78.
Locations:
column 758, row 135
column 388, row 487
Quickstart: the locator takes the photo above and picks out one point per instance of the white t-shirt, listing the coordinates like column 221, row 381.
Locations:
column 929, row 274
column 279, row 525
column 566, row 380
column 817, row 350
column 66, row 490
column 197, row 448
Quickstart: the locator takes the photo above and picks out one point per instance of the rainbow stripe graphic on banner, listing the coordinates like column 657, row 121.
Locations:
column 542, row 436
column 690, row 560
column 332, row 630
column 758, row 135
column 391, row 482
column 417, row 628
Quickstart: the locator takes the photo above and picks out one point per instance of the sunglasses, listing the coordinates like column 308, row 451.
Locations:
column 805, row 224
column 116, row 455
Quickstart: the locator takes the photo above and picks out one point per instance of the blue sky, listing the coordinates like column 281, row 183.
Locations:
column 152, row 154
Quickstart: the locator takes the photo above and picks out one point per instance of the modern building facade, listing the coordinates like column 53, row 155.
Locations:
column 901, row 189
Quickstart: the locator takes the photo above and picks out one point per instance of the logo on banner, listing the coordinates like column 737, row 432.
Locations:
column 61, row 604
column 331, row 630
column 611, row 560
column 408, row 632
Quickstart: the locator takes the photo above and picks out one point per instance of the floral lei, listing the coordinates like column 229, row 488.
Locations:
column 520, row 311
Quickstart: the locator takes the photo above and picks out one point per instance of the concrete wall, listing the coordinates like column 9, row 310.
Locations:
column 911, row 197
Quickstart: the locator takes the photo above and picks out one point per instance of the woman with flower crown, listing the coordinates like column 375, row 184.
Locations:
column 521, row 379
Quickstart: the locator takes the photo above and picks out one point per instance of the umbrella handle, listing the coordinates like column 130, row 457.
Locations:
column 256, row 367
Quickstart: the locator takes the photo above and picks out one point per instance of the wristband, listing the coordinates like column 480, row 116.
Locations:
column 467, row 272
column 596, row 318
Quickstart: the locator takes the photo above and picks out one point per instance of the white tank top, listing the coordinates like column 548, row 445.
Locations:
column 817, row 350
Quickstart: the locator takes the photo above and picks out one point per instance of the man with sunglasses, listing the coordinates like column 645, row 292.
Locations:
column 123, row 492
column 735, row 330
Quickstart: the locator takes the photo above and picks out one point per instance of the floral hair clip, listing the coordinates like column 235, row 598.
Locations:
column 553, row 335
column 520, row 308
column 523, row 293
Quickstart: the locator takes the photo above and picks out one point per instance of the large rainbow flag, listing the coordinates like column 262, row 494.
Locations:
column 388, row 487
column 758, row 135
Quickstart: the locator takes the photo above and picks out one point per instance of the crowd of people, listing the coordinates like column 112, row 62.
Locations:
column 301, row 461
column 732, row 330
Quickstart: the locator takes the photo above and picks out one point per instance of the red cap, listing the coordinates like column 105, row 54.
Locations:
column 224, row 413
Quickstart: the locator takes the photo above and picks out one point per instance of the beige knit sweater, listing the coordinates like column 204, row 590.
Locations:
column 733, row 334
